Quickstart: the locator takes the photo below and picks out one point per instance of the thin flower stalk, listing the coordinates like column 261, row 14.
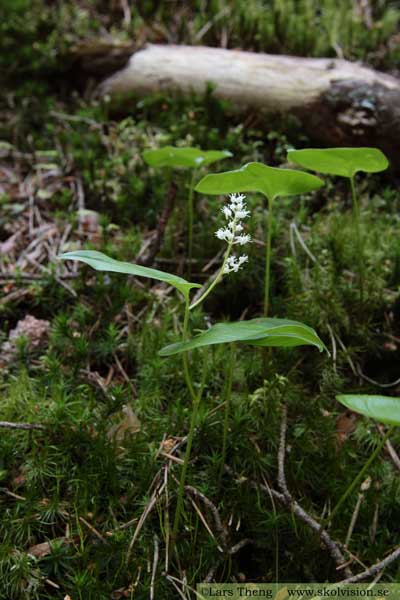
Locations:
column 190, row 218
column 227, row 398
column 359, row 241
column 268, row 251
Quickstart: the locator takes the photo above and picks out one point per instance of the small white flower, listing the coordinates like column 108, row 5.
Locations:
column 242, row 239
column 225, row 234
column 233, row 263
column 236, row 198
column 241, row 214
column 227, row 212
column 227, row 269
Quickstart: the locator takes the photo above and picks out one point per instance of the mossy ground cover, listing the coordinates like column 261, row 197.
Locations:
column 81, row 485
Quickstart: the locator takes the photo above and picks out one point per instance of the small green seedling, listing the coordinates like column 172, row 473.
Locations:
column 255, row 332
column 384, row 409
column 269, row 181
column 171, row 157
column 344, row 162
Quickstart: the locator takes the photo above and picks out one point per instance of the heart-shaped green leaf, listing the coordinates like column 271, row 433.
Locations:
column 256, row 177
column 384, row 409
column 345, row 162
column 102, row 262
column 256, row 332
column 187, row 158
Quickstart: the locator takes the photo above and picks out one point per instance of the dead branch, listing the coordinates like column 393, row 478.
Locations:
column 33, row 276
column 26, row 426
column 159, row 486
column 281, row 456
column 375, row 569
column 225, row 548
column 155, row 563
column 220, row 529
column 389, row 447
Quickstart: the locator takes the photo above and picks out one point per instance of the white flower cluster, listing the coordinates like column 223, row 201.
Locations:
column 234, row 263
column 234, row 212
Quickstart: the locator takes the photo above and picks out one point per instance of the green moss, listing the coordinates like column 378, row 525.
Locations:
column 55, row 481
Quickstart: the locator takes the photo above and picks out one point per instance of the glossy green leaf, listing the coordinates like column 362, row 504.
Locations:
column 188, row 158
column 384, row 409
column 256, row 332
column 102, row 262
column 256, row 177
column 345, row 162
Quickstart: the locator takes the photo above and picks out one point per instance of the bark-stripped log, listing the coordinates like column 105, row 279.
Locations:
column 338, row 102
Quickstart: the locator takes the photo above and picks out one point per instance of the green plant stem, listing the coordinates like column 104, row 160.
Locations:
column 185, row 361
column 268, row 259
column 359, row 243
column 356, row 208
column 195, row 406
column 267, row 280
column 227, row 398
column 359, row 477
column 190, row 213
column 182, row 481
column 216, row 280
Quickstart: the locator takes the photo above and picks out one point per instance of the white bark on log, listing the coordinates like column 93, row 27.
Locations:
column 338, row 102
column 245, row 78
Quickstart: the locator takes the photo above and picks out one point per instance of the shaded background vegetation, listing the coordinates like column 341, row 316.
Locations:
column 66, row 154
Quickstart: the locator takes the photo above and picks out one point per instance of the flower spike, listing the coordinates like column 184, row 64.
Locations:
column 234, row 212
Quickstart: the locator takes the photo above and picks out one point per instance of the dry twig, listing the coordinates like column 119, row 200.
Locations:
column 155, row 563
column 392, row 452
column 159, row 487
column 26, row 426
column 375, row 569
column 225, row 548
column 220, row 529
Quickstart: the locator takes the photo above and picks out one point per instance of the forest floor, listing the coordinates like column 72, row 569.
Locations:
column 88, row 489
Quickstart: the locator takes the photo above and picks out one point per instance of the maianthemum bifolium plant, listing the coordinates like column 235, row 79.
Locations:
column 344, row 162
column 260, row 332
